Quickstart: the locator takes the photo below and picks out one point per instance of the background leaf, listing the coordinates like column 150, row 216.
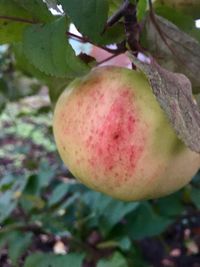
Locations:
column 23, row 13
column 117, row 260
column 144, row 222
column 18, row 244
column 11, row 188
column 102, row 206
column 44, row 260
column 195, row 196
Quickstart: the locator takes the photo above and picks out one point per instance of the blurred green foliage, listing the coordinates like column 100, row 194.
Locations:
column 40, row 199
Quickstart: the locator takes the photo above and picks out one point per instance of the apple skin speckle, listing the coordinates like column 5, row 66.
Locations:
column 108, row 147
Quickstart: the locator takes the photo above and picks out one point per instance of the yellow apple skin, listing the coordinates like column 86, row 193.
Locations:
column 113, row 136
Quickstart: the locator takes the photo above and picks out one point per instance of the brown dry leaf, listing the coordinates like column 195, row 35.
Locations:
column 174, row 94
column 180, row 54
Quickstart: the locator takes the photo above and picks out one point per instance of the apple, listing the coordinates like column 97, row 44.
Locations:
column 113, row 136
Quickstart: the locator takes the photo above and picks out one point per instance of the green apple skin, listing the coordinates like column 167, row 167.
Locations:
column 113, row 136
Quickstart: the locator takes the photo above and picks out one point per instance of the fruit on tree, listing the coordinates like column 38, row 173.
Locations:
column 112, row 134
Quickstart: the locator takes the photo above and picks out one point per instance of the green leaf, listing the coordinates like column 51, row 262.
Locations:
column 195, row 196
column 3, row 93
column 11, row 190
column 114, row 6
column 51, row 260
column 115, row 212
column 48, row 50
column 4, row 239
column 117, row 260
column 46, row 173
column 22, row 13
column 196, row 178
column 108, row 211
column 31, row 195
column 11, row 30
column 58, row 193
column 184, row 22
column 170, row 205
column 144, row 222
column 18, row 244
column 32, row 186
column 70, row 201
column 37, row 9
column 141, row 9
column 124, row 243
column 88, row 16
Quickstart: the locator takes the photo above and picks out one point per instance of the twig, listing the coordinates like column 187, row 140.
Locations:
column 108, row 58
column 19, row 19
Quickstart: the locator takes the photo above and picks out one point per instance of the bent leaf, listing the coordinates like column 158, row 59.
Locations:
column 174, row 94
column 180, row 53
